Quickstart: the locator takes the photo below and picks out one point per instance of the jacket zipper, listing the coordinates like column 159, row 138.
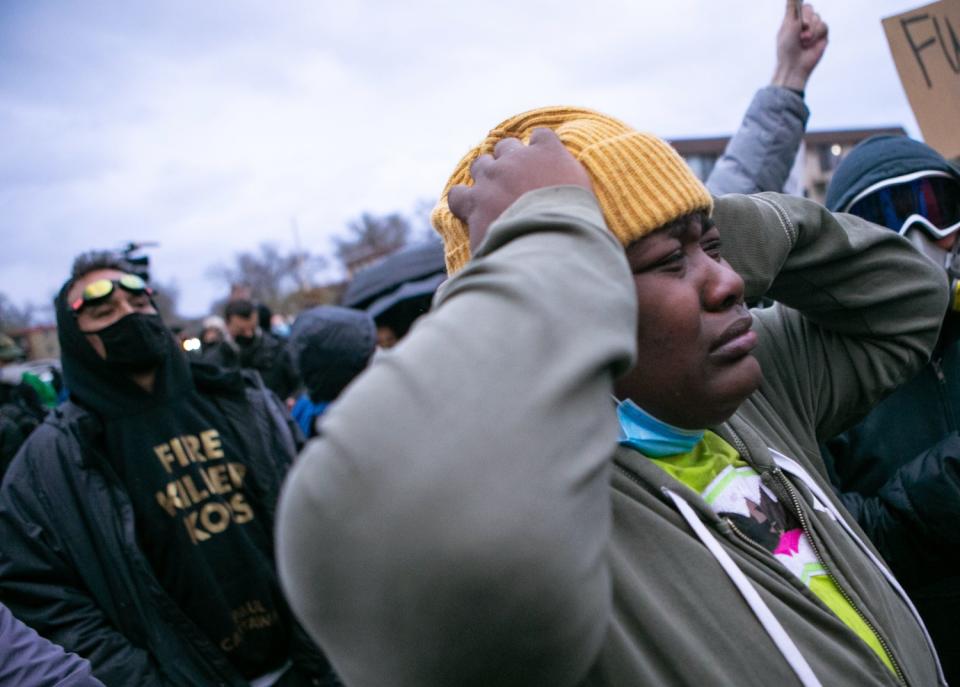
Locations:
column 742, row 448
column 739, row 445
column 942, row 384
column 747, row 541
column 804, row 524
column 744, row 452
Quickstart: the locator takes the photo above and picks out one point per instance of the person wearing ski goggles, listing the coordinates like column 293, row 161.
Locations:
column 923, row 206
column 99, row 290
column 894, row 468
column 929, row 200
column 908, row 187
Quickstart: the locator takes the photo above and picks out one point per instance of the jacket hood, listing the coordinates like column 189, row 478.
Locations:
column 209, row 378
column 96, row 385
column 879, row 158
column 330, row 346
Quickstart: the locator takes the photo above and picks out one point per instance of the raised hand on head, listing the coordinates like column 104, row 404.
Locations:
column 513, row 169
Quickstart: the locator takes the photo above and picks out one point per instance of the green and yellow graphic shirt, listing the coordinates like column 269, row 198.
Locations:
column 734, row 490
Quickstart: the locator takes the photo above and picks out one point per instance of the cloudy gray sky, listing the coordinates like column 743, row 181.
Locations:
column 209, row 126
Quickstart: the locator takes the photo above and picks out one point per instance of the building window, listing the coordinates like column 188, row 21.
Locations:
column 702, row 165
column 829, row 155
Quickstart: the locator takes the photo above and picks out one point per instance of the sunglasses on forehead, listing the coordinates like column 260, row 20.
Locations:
column 926, row 200
column 100, row 289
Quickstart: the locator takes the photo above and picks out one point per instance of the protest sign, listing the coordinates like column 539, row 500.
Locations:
column 925, row 43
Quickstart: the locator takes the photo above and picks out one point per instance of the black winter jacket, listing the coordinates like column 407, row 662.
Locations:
column 71, row 568
column 20, row 413
column 267, row 355
column 898, row 473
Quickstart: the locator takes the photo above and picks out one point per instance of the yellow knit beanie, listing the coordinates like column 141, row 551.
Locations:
column 640, row 181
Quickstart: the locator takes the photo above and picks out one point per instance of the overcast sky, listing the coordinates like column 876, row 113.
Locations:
column 210, row 126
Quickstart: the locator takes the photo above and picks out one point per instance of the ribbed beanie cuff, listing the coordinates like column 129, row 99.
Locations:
column 640, row 181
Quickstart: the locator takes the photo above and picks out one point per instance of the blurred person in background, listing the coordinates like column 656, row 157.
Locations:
column 137, row 523
column 21, row 408
column 899, row 469
column 330, row 346
column 280, row 326
column 213, row 331
column 10, row 352
column 251, row 347
column 264, row 317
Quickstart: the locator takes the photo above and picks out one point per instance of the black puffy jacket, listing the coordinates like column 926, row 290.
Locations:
column 71, row 568
column 898, row 471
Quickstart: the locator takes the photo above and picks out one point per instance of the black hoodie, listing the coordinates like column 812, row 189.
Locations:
column 199, row 514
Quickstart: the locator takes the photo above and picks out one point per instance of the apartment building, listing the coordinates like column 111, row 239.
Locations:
column 819, row 155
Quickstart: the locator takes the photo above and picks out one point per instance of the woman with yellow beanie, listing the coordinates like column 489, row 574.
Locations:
column 478, row 510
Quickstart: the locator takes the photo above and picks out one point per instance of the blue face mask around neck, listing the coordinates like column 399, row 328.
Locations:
column 652, row 437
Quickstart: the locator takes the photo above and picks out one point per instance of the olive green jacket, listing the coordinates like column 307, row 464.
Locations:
column 467, row 517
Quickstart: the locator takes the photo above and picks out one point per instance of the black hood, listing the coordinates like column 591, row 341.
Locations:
column 330, row 346
column 879, row 158
column 99, row 387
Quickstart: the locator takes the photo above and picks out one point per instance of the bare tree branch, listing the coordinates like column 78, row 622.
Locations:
column 270, row 274
column 371, row 238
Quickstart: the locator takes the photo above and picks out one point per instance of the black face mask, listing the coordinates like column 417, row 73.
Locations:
column 135, row 343
column 245, row 341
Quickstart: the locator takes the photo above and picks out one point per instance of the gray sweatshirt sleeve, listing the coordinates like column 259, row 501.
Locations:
column 29, row 660
column 450, row 526
column 760, row 155
column 858, row 312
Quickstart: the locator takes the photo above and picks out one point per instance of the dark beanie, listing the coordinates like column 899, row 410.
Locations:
column 877, row 159
column 330, row 346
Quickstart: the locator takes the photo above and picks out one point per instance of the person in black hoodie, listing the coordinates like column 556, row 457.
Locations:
column 137, row 522
column 898, row 470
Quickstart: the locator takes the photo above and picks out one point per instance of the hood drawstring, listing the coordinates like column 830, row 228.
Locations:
column 792, row 467
column 760, row 609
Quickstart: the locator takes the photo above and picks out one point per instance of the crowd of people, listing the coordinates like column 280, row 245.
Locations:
column 652, row 431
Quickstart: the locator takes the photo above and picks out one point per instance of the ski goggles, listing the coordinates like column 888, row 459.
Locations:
column 100, row 289
column 927, row 200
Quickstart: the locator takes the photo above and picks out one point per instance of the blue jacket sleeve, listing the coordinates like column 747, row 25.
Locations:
column 760, row 155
